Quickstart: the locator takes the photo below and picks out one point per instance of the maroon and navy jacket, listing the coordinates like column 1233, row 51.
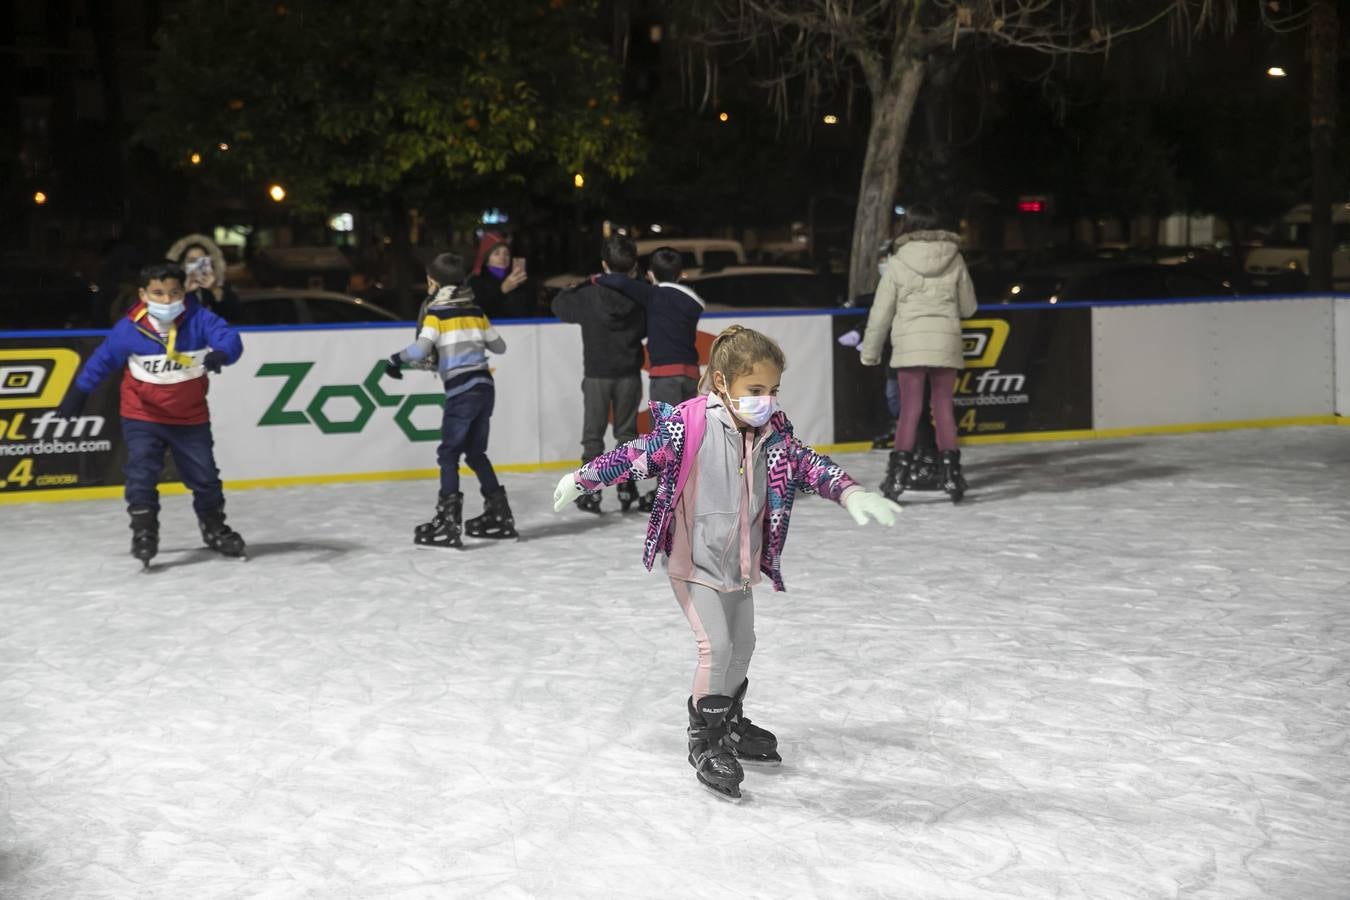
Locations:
column 165, row 380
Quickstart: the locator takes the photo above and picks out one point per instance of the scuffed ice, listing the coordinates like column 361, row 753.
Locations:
column 1119, row 670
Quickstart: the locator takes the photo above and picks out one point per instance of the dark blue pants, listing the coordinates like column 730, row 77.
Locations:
column 191, row 448
column 464, row 432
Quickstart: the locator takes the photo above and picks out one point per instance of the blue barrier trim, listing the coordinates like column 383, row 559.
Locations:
column 748, row 314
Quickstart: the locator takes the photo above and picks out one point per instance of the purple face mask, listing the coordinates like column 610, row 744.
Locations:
column 499, row 272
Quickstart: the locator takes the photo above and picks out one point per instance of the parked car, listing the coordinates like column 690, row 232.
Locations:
column 1281, row 262
column 1128, row 281
column 763, row 288
column 699, row 254
column 280, row 306
column 45, row 297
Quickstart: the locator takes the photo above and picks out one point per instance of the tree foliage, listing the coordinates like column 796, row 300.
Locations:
column 410, row 96
column 888, row 47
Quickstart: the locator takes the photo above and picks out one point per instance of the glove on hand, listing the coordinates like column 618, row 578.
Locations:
column 861, row 504
column 72, row 404
column 850, row 339
column 566, row 492
column 214, row 359
column 393, row 367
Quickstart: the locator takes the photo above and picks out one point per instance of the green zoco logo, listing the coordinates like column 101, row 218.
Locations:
column 369, row 396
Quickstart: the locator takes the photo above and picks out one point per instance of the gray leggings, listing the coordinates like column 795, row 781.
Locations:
column 724, row 627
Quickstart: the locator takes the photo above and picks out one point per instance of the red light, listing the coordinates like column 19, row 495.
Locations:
column 1031, row 206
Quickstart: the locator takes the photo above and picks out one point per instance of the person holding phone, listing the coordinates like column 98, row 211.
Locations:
column 499, row 280
column 203, row 263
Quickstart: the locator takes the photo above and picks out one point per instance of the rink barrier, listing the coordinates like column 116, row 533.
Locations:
column 544, row 358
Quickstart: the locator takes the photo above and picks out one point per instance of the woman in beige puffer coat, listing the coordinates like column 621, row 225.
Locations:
column 924, row 294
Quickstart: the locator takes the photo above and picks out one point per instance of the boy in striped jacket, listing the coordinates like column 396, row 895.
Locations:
column 167, row 343
column 455, row 336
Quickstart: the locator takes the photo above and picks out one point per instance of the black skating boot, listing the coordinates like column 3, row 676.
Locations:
column 897, row 474
column 144, row 534
column 885, row 440
column 748, row 741
column 219, row 536
column 496, row 520
column 628, row 495
column 589, row 503
column 647, row 501
column 953, row 482
column 444, row 528
column 715, row 766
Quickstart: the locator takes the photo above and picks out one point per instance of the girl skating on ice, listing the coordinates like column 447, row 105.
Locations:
column 728, row 467
column 924, row 294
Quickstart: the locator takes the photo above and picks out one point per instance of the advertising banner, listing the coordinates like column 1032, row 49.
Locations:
column 1025, row 371
column 317, row 402
column 39, row 451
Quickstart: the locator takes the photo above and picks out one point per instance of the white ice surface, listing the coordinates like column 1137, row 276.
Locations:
column 1119, row 670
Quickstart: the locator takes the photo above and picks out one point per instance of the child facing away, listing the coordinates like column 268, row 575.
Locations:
column 455, row 336
column 673, row 311
column 613, row 327
column 924, row 294
column 728, row 466
column 167, row 345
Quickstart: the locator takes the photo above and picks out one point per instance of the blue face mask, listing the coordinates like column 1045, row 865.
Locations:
column 165, row 312
column 498, row 271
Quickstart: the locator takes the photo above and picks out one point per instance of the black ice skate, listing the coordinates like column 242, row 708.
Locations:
column 953, row 482
column 925, row 472
column 897, row 474
column 714, row 765
column 628, row 495
column 749, row 742
column 444, row 528
column 218, row 536
column 589, row 503
column 647, row 501
column 144, row 534
column 496, row 520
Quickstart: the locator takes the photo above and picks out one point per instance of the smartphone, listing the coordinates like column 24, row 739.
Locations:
column 518, row 264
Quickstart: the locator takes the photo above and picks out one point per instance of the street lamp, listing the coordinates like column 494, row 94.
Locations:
column 1277, row 72
column 223, row 146
column 831, row 119
column 195, row 159
column 722, row 117
column 39, row 198
column 579, row 181
column 277, row 192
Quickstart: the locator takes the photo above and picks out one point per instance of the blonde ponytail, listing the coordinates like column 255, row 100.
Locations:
column 736, row 351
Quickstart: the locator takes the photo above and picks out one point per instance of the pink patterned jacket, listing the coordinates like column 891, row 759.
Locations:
column 668, row 453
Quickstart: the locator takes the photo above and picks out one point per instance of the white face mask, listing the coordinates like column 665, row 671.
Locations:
column 165, row 312
column 881, row 267
column 755, row 411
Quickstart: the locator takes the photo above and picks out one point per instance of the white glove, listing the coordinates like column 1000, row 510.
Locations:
column 851, row 339
column 861, row 504
column 566, row 491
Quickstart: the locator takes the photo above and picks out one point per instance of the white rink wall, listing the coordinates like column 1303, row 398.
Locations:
column 1342, row 356
column 1231, row 361
column 339, row 420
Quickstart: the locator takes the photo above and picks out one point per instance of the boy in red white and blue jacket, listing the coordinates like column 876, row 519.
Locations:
column 167, row 344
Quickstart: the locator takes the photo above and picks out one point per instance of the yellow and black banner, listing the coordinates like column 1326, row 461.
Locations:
column 1026, row 370
column 38, row 450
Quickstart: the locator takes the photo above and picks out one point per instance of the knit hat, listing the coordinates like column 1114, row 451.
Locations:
column 485, row 247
